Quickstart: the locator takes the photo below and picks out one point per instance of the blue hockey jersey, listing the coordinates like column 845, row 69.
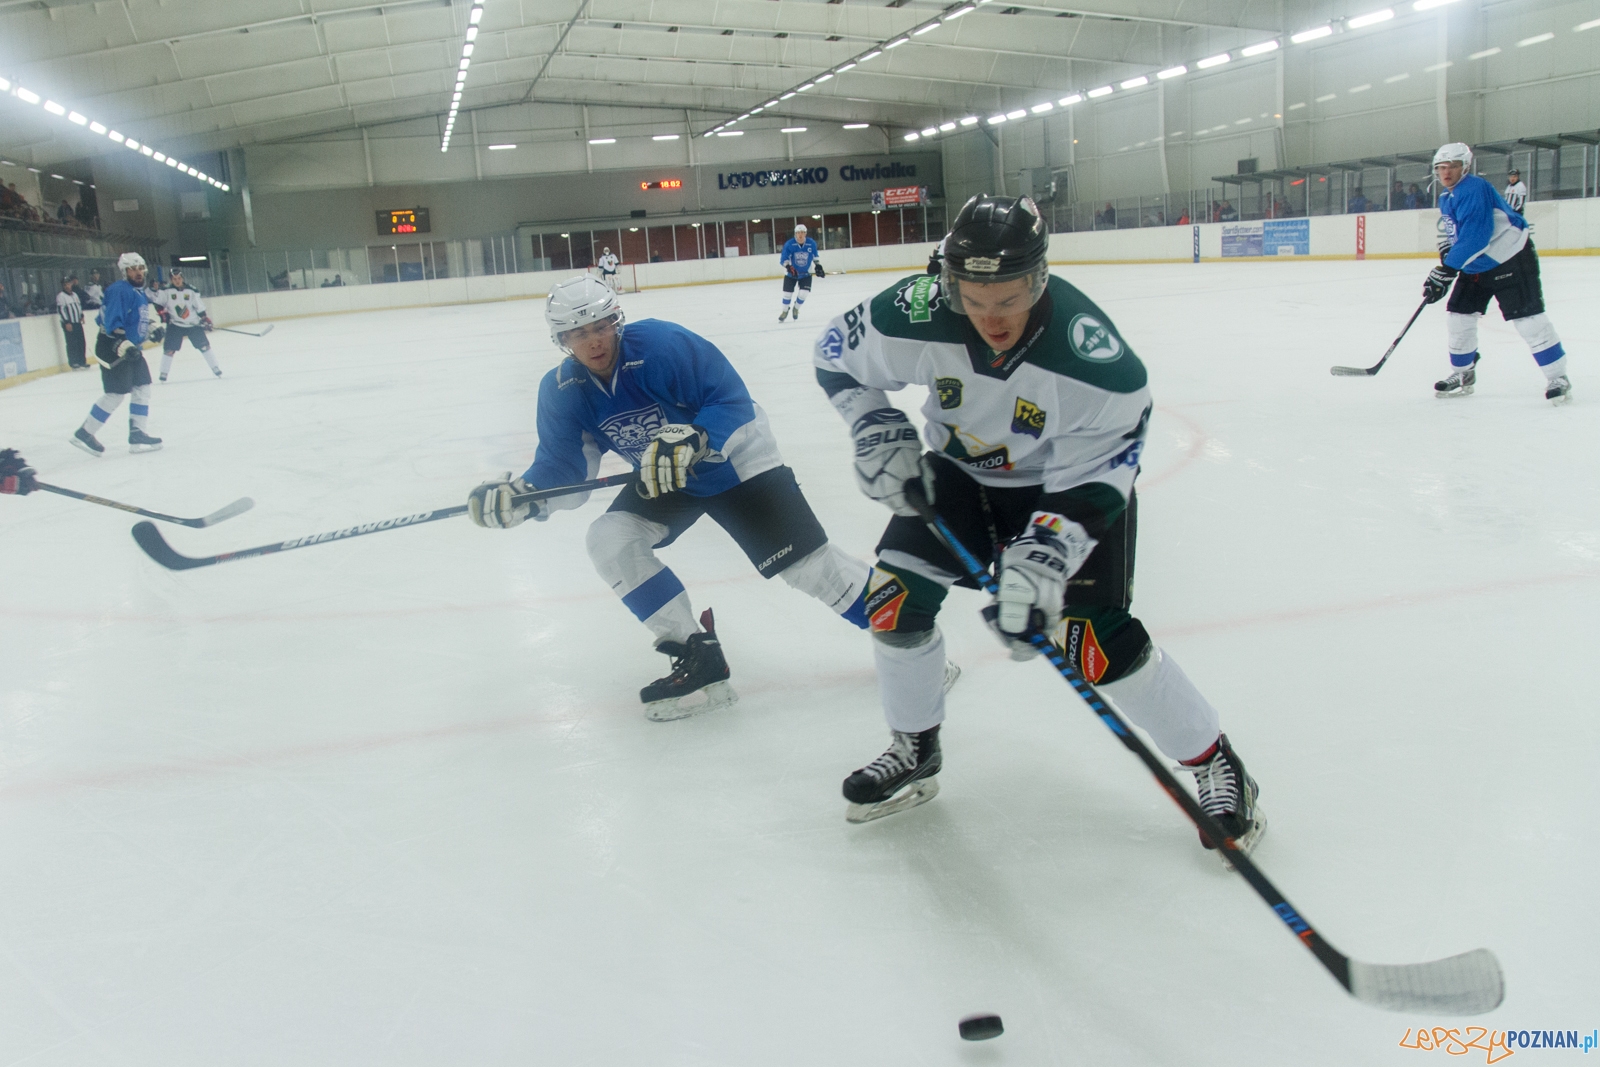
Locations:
column 123, row 309
column 664, row 374
column 1487, row 231
column 799, row 256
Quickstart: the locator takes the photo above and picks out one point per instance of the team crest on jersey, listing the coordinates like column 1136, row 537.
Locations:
column 630, row 431
column 832, row 344
column 1093, row 340
column 949, row 392
column 886, row 595
column 920, row 299
column 1027, row 418
column 1080, row 646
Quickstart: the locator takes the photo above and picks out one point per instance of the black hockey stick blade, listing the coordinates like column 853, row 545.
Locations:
column 238, row 507
column 247, row 333
column 155, row 546
column 1367, row 372
column 1468, row 984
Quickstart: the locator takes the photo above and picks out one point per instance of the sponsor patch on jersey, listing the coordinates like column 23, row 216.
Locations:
column 1093, row 340
column 998, row 459
column 630, row 431
column 1082, row 648
column 920, row 299
column 981, row 265
column 1027, row 418
column 949, row 392
column 886, row 595
column 832, row 344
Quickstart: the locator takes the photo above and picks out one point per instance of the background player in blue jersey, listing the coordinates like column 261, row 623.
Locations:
column 666, row 400
column 799, row 260
column 1486, row 250
column 123, row 371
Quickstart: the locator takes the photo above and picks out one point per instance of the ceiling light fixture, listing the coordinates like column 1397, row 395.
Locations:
column 1068, row 101
column 1095, row 94
column 506, row 147
column 896, row 43
column 965, row 9
column 665, row 137
column 1362, row 21
column 946, row 127
column 857, row 125
column 1260, row 49
column 874, row 54
column 476, row 16
column 1020, row 113
column 931, row 131
column 913, row 136
column 970, row 120
column 793, row 129
column 596, row 140
column 926, row 29
column 1134, row 83
column 1214, row 61
column 1311, row 35
column 1172, row 72
column 1040, row 109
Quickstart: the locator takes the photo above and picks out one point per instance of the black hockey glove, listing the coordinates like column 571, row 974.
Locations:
column 16, row 477
column 157, row 332
column 820, row 272
column 1438, row 283
column 121, row 348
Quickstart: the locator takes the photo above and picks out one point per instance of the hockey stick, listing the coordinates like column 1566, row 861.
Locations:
column 238, row 507
column 1356, row 372
column 1468, row 984
column 247, row 333
column 156, row 547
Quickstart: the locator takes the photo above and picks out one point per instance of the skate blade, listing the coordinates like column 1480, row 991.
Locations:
column 1247, row 843
column 144, row 448
column 1452, row 395
column 918, row 792
column 1564, row 398
column 85, row 447
column 714, row 696
column 952, row 675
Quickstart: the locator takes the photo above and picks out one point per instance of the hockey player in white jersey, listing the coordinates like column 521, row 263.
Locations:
column 799, row 261
column 186, row 317
column 667, row 401
column 608, row 264
column 1036, row 417
column 1486, row 253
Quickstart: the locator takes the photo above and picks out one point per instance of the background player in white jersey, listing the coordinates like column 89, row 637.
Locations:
column 1486, row 250
column 186, row 317
column 1037, row 412
column 799, row 261
column 608, row 264
column 1516, row 194
column 93, row 293
column 666, row 400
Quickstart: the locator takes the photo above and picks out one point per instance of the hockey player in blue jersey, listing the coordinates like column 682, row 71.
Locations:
column 123, row 370
column 799, row 260
column 666, row 400
column 1486, row 250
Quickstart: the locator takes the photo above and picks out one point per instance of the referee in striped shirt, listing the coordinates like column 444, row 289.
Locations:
column 71, row 312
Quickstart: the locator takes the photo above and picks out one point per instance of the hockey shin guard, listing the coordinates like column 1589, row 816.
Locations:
column 910, row 678
column 139, row 407
column 166, row 363
column 834, row 577
column 619, row 546
column 101, row 412
column 1543, row 342
column 1463, row 342
column 1160, row 699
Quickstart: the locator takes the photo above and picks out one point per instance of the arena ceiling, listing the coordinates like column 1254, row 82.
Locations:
column 214, row 74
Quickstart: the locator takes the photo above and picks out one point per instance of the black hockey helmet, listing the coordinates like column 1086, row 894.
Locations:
column 994, row 239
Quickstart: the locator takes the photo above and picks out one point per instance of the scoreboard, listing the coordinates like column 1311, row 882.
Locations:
column 664, row 183
column 404, row 220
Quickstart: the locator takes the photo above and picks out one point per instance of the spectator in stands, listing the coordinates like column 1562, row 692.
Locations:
column 1413, row 198
column 1397, row 196
column 10, row 199
column 1216, row 211
column 1359, row 204
column 1227, row 213
column 5, row 305
column 1183, row 219
column 1107, row 217
column 64, row 213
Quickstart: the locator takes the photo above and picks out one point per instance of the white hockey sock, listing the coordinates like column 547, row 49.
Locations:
column 619, row 546
column 1463, row 331
column 911, row 679
column 830, row 574
column 786, row 299
column 101, row 412
column 1540, row 334
column 211, row 361
column 800, row 297
column 166, row 362
column 1159, row 699
column 139, row 407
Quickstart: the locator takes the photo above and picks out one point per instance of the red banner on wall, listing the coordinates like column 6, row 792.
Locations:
column 1361, row 237
column 905, row 196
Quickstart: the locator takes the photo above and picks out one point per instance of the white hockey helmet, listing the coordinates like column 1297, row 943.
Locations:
column 1454, row 152
column 129, row 260
column 799, row 227
column 576, row 303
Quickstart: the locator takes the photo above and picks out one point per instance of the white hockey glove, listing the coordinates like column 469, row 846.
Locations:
column 1034, row 569
column 889, row 454
column 491, row 504
column 669, row 457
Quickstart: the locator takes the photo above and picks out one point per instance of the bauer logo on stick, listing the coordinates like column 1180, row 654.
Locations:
column 1093, row 340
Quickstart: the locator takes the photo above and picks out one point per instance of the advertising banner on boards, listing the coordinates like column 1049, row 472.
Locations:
column 1270, row 237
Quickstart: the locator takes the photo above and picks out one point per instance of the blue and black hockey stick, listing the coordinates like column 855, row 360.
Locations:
column 1468, row 984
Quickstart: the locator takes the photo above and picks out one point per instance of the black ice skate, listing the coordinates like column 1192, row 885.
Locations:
column 697, row 668
column 903, row 777
column 86, row 441
column 1228, row 794
column 139, row 441
column 1460, row 382
column 783, row 315
column 1559, row 390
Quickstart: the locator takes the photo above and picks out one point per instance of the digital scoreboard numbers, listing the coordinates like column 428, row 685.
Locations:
column 404, row 220
column 664, row 183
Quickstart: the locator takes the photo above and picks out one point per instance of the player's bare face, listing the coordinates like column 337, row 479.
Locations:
column 1449, row 174
column 594, row 345
column 998, row 310
column 135, row 275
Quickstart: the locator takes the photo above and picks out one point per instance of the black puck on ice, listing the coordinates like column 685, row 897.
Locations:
column 981, row 1027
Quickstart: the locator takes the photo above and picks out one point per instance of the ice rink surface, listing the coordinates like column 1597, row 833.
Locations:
column 393, row 801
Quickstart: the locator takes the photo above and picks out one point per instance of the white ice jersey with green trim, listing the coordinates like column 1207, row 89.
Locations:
column 183, row 305
column 1066, row 406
